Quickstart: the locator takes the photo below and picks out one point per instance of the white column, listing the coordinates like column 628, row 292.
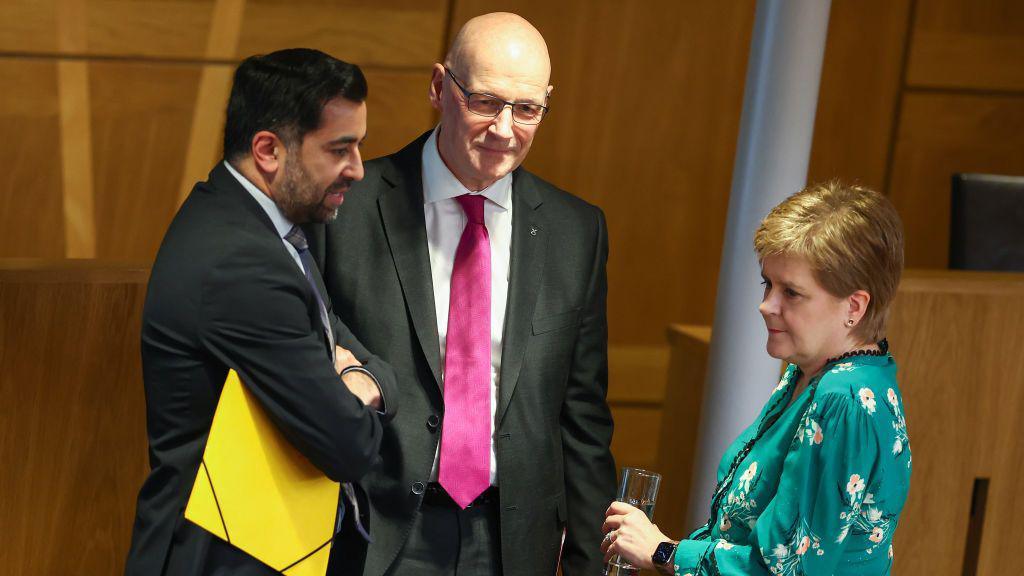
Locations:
column 779, row 101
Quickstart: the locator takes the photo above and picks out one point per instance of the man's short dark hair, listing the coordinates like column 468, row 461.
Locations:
column 285, row 92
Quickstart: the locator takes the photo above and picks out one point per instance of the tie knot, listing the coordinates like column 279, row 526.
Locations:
column 473, row 206
column 297, row 238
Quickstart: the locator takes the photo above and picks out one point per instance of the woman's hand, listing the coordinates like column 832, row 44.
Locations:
column 630, row 534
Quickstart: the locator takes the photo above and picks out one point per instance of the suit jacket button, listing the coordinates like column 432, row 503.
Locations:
column 432, row 422
column 417, row 488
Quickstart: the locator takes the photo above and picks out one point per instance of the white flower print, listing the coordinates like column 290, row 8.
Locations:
column 864, row 517
column 899, row 425
column 787, row 556
column 747, row 476
column 867, row 399
column 739, row 509
column 874, row 514
column 843, row 367
column 724, row 545
column 855, row 485
column 814, row 434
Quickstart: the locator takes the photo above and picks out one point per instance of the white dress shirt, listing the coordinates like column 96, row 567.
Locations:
column 445, row 221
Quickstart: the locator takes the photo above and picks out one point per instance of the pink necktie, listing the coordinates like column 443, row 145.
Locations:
column 465, row 437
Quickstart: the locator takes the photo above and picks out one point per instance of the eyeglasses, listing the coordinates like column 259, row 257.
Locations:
column 487, row 105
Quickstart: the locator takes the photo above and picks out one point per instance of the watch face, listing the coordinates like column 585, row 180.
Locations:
column 663, row 554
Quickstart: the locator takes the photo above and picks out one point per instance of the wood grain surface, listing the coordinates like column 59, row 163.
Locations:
column 72, row 418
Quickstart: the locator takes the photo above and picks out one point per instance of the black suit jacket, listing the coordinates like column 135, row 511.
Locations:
column 553, row 425
column 225, row 293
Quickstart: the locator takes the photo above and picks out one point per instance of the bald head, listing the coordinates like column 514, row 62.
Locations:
column 495, row 58
column 500, row 43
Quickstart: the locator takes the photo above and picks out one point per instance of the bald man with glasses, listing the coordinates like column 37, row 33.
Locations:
column 485, row 287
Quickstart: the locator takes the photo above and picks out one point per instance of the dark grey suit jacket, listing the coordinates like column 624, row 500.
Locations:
column 225, row 293
column 553, row 425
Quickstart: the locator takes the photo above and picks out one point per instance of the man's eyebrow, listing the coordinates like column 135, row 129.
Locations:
column 343, row 140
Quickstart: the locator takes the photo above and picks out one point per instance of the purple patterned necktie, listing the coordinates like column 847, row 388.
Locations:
column 465, row 437
column 297, row 238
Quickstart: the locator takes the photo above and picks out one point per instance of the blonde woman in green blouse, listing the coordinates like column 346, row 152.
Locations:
column 817, row 483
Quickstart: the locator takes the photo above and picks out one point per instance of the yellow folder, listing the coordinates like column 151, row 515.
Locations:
column 258, row 493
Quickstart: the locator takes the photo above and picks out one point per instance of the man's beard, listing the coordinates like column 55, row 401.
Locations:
column 299, row 197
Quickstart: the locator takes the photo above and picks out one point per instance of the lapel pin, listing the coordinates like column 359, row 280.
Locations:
column 533, row 231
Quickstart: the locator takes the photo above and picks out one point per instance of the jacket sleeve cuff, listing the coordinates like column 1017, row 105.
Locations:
column 689, row 554
column 383, row 402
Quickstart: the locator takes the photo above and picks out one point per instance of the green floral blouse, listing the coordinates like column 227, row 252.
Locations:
column 813, row 488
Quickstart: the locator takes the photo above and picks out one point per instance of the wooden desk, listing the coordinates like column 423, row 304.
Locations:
column 959, row 340
column 72, row 415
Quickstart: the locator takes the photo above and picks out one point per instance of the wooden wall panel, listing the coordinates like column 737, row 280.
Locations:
column 636, row 374
column 28, row 26
column 397, row 110
column 940, row 134
column 861, row 79
column 684, row 395
column 644, row 119
column 151, row 28
column 141, row 114
column 31, row 221
column 635, row 442
column 72, row 419
column 396, row 33
column 139, row 103
column 976, row 44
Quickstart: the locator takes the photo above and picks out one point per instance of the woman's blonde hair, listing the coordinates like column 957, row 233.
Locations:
column 851, row 237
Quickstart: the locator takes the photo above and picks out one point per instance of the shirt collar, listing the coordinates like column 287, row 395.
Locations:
column 281, row 222
column 440, row 184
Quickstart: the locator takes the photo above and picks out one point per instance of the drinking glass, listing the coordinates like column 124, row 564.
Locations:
column 637, row 488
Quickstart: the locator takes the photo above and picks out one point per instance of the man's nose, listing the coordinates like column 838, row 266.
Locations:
column 502, row 123
column 355, row 169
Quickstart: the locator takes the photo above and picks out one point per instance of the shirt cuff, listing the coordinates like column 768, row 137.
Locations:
column 383, row 403
column 689, row 554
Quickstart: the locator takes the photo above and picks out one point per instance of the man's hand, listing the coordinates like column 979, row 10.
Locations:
column 358, row 382
column 343, row 359
column 363, row 387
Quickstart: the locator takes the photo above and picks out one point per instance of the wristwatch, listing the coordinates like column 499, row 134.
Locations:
column 664, row 553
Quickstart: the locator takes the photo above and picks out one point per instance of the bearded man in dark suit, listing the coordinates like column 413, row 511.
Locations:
column 234, row 287
column 485, row 287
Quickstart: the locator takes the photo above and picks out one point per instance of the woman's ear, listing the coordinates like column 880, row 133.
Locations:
column 857, row 306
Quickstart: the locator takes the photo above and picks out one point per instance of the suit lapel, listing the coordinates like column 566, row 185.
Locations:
column 527, row 266
column 223, row 180
column 401, row 210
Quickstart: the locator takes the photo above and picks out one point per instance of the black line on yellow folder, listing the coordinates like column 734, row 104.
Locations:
column 217, row 502
column 317, row 549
